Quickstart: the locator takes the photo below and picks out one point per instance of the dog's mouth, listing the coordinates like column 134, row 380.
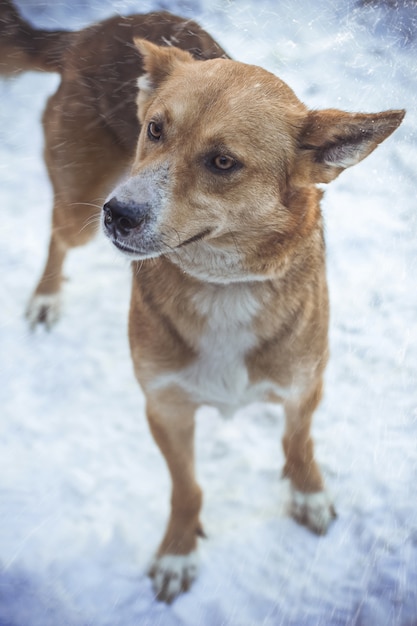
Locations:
column 125, row 248
column 136, row 252
column 198, row 237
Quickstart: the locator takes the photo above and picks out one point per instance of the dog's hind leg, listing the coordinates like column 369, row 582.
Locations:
column 84, row 163
column 74, row 223
column 310, row 504
column 44, row 305
column 175, row 565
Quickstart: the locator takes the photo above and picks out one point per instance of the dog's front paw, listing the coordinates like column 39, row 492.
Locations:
column 43, row 309
column 173, row 574
column 314, row 510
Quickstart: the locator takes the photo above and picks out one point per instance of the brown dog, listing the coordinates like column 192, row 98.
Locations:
column 221, row 218
column 90, row 124
column 229, row 305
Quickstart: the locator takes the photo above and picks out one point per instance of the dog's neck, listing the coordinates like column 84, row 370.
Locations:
column 208, row 263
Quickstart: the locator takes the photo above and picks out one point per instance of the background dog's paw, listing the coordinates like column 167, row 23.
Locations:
column 314, row 510
column 173, row 574
column 43, row 309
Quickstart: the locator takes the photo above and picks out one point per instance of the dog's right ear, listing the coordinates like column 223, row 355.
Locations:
column 159, row 62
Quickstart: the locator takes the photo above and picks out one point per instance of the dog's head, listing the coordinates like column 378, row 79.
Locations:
column 226, row 165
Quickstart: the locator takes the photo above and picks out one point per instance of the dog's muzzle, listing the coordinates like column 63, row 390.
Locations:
column 120, row 219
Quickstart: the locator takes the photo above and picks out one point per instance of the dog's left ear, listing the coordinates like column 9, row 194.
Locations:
column 159, row 62
column 333, row 140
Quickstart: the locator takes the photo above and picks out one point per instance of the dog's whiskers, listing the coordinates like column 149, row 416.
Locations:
column 233, row 237
column 94, row 220
column 173, row 249
column 138, row 267
column 93, row 204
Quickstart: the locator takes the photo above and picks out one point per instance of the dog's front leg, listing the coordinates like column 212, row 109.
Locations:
column 310, row 503
column 175, row 565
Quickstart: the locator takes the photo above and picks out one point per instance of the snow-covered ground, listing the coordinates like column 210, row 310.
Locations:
column 84, row 491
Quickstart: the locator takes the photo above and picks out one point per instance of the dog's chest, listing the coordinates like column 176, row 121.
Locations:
column 218, row 376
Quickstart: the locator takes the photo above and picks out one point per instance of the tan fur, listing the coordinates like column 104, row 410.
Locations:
column 229, row 295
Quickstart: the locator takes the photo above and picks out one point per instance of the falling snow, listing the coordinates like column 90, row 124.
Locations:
column 83, row 490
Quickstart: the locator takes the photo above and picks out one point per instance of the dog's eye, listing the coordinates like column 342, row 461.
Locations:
column 223, row 162
column 154, row 131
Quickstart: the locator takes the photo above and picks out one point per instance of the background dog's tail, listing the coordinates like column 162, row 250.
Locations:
column 24, row 48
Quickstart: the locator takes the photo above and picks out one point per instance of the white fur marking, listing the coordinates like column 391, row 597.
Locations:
column 315, row 510
column 173, row 574
column 44, row 309
column 219, row 377
column 144, row 83
column 221, row 374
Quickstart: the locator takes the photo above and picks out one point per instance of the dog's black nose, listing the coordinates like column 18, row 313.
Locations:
column 120, row 218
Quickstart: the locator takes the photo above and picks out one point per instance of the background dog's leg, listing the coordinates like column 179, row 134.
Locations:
column 310, row 504
column 44, row 306
column 74, row 223
column 84, row 163
column 175, row 565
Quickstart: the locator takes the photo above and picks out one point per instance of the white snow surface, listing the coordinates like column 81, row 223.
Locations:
column 83, row 490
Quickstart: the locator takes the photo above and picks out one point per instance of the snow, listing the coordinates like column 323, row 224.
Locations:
column 83, row 490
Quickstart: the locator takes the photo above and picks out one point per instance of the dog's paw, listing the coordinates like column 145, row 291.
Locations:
column 43, row 309
column 173, row 574
column 314, row 510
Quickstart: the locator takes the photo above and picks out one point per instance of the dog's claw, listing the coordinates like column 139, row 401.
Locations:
column 43, row 309
column 173, row 574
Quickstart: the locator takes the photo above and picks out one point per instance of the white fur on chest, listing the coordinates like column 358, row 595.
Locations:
column 219, row 376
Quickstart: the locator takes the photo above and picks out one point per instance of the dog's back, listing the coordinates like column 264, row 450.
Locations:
column 105, row 61
column 101, row 58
